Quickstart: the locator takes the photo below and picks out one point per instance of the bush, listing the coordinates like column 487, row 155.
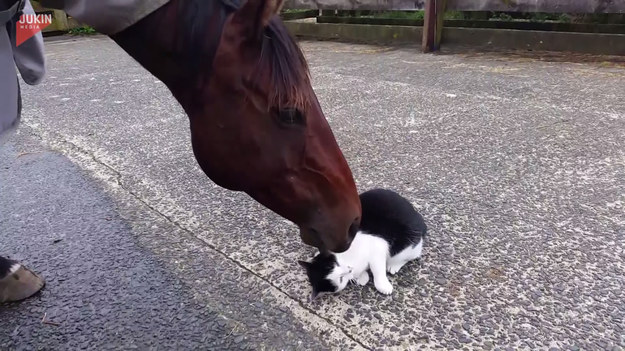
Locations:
column 414, row 15
column 85, row 30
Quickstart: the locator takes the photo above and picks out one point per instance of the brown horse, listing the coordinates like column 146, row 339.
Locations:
column 256, row 124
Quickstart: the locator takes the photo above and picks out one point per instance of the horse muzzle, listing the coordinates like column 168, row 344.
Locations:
column 329, row 239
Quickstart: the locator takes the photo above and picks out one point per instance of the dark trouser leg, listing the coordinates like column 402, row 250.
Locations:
column 17, row 282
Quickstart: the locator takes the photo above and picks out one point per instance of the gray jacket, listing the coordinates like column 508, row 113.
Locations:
column 106, row 16
column 30, row 61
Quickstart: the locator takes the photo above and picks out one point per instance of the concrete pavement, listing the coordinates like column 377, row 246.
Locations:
column 516, row 163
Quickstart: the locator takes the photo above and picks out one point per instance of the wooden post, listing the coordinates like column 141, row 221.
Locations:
column 433, row 25
column 441, row 6
column 429, row 26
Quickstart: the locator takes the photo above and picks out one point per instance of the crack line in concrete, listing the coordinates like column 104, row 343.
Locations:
column 118, row 177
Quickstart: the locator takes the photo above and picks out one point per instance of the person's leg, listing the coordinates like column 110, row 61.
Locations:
column 17, row 282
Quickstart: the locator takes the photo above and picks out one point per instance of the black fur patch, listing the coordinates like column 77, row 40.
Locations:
column 318, row 270
column 390, row 216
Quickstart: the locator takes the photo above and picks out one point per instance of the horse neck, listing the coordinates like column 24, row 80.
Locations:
column 177, row 44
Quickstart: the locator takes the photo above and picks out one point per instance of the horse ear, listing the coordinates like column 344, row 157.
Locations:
column 255, row 15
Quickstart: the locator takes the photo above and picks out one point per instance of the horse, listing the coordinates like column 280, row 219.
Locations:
column 256, row 123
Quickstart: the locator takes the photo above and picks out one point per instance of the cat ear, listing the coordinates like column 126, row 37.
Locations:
column 304, row 264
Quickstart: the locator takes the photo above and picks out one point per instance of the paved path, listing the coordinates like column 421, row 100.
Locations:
column 517, row 164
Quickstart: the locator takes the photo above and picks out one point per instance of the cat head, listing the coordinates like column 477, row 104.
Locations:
column 326, row 275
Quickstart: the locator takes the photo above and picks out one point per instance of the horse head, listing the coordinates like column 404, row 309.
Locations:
column 256, row 123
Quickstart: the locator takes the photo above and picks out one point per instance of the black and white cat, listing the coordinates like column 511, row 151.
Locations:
column 391, row 234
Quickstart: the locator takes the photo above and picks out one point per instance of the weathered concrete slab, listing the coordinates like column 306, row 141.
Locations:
column 483, row 38
column 356, row 32
column 588, row 43
column 120, row 276
column 517, row 164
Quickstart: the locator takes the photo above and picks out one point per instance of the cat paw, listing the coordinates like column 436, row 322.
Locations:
column 384, row 287
column 363, row 279
column 394, row 269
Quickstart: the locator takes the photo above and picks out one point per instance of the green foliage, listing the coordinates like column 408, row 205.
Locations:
column 454, row 15
column 85, row 30
column 293, row 11
column 484, row 15
column 501, row 16
column 539, row 17
column 531, row 16
column 564, row 18
column 414, row 15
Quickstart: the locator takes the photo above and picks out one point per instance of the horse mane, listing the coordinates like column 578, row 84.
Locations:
column 281, row 56
column 282, row 64
column 198, row 32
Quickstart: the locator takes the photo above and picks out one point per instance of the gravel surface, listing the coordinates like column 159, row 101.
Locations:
column 517, row 163
column 106, row 288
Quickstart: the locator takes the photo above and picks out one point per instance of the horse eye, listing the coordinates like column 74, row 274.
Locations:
column 291, row 116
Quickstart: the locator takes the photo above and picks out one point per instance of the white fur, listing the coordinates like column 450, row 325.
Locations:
column 394, row 264
column 14, row 268
column 340, row 276
column 369, row 252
